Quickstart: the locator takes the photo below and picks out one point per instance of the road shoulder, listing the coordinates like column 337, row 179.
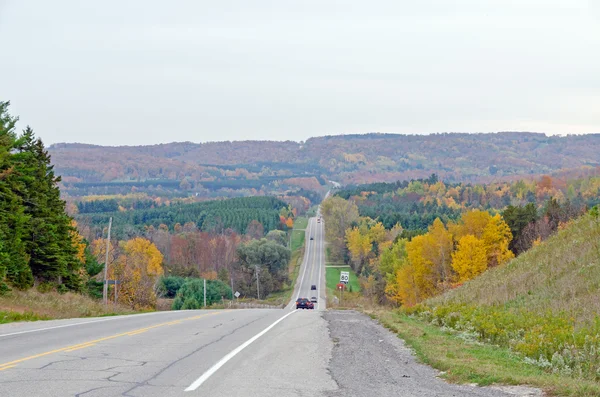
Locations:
column 369, row 360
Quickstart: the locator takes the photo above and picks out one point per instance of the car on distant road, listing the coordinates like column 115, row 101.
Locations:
column 313, row 299
column 311, row 238
column 304, row 303
column 313, row 287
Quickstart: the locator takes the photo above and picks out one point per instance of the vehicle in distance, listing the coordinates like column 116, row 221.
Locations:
column 313, row 299
column 311, row 238
column 313, row 287
column 318, row 220
column 304, row 303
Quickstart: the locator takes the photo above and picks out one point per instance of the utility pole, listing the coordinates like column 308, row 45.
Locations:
column 105, row 287
column 257, row 283
column 232, row 292
column 205, row 293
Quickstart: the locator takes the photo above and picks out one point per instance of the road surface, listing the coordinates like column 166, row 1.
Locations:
column 252, row 352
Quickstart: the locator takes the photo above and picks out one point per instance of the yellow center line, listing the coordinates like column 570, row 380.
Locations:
column 92, row 342
column 80, row 347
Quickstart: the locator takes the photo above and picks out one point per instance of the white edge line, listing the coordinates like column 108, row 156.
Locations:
column 81, row 323
column 232, row 354
column 305, row 259
column 320, row 263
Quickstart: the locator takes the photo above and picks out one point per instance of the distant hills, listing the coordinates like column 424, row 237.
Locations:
column 348, row 159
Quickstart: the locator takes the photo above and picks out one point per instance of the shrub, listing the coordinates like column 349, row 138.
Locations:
column 168, row 286
column 191, row 294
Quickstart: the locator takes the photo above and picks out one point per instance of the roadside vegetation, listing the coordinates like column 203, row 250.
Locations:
column 543, row 305
column 464, row 359
column 32, row 305
column 513, row 289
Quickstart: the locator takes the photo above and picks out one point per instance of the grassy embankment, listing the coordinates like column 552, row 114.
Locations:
column 32, row 305
column 533, row 321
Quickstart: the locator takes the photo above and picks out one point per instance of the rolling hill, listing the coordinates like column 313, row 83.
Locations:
column 349, row 159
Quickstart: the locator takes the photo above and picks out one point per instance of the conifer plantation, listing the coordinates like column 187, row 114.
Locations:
column 37, row 238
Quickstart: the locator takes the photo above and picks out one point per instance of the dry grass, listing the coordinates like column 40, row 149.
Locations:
column 33, row 305
column 562, row 275
column 543, row 305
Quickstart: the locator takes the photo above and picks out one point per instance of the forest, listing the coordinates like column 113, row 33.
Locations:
column 219, row 169
column 214, row 216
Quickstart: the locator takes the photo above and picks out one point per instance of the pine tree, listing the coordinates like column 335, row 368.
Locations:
column 13, row 261
column 48, row 242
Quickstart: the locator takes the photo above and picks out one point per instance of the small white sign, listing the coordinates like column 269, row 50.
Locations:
column 237, row 294
column 344, row 277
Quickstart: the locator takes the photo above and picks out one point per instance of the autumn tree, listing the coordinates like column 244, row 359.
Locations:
column 138, row 268
column 470, row 258
column 359, row 246
column 496, row 238
column 339, row 214
column 437, row 250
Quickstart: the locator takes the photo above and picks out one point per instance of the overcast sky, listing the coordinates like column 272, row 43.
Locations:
column 142, row 72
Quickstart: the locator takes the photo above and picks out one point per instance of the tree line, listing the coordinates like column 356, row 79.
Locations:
column 37, row 237
column 213, row 216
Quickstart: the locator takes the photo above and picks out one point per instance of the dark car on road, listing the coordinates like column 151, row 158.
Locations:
column 313, row 287
column 304, row 303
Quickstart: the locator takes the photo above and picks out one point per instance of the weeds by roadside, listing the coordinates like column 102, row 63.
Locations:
column 33, row 305
column 466, row 361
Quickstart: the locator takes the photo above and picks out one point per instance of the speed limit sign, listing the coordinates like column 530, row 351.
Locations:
column 344, row 277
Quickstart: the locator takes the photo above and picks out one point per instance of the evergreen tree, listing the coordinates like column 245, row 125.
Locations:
column 48, row 241
column 13, row 260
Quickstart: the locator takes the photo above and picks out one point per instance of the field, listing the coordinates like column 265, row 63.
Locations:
column 300, row 223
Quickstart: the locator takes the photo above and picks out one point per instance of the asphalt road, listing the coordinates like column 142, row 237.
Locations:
column 251, row 352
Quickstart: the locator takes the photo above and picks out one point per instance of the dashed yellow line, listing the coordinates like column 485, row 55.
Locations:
column 71, row 348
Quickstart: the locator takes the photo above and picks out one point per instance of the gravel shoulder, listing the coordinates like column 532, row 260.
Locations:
column 368, row 360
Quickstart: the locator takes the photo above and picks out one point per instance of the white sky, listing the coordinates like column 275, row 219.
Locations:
column 151, row 71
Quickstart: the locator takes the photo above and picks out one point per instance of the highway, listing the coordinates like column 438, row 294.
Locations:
column 244, row 352
column 167, row 353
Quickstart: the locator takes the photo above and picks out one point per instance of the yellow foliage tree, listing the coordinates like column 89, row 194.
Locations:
column 78, row 242
column 407, row 292
column 359, row 246
column 471, row 222
column 422, row 269
column 470, row 258
column 437, row 249
column 496, row 237
column 138, row 268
